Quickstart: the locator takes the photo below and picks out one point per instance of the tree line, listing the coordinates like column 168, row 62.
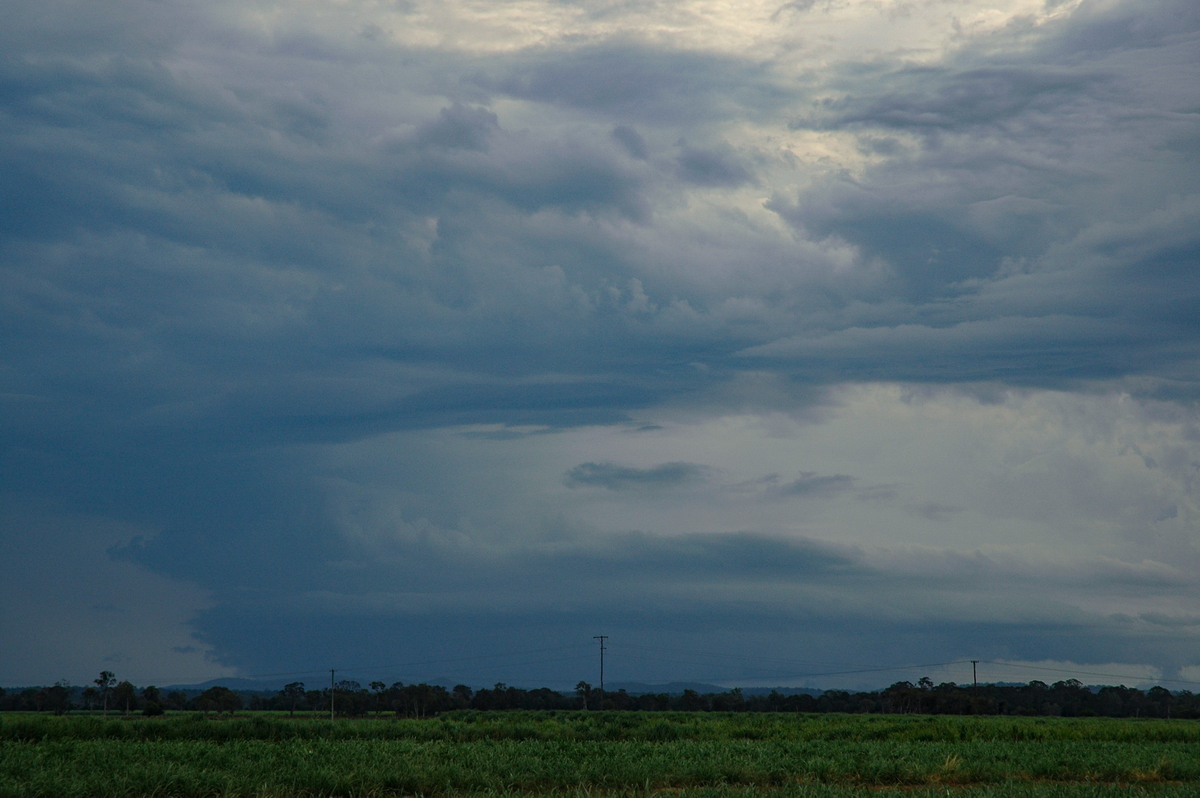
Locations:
column 351, row 699
column 121, row 697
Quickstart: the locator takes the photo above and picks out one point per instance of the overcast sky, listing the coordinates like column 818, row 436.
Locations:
column 430, row 338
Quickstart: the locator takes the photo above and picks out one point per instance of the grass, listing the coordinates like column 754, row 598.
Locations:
column 597, row 755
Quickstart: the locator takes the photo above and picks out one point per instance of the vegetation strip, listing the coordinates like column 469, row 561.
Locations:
column 595, row 754
column 1068, row 698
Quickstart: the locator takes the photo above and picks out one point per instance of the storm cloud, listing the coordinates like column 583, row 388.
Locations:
column 744, row 332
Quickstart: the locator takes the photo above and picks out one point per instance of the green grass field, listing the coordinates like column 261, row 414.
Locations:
column 689, row 755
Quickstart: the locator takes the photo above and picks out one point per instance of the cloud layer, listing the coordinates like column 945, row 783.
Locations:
column 735, row 331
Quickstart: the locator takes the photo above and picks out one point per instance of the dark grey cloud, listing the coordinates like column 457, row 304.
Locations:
column 1127, row 28
column 737, row 555
column 459, row 126
column 632, row 141
column 637, row 82
column 530, row 175
column 713, row 167
column 618, row 477
column 927, row 100
column 234, row 261
column 935, row 511
column 795, row 5
column 1170, row 620
column 810, row 483
column 1034, row 351
column 439, row 598
column 589, row 563
column 669, row 594
column 1000, row 178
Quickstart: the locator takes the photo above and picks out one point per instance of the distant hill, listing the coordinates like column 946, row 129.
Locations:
column 676, row 688
column 783, row 691
column 233, row 683
column 671, row 688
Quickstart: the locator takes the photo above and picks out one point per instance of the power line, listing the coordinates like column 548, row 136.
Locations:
column 1077, row 672
column 782, row 669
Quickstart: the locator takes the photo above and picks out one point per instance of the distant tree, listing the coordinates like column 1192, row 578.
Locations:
column 176, row 699
column 58, row 697
column 543, row 698
column 900, row 697
column 733, row 701
column 218, row 699
column 584, row 691
column 125, row 695
column 105, row 682
column 151, row 701
column 622, row 700
column 292, row 693
column 1160, row 699
column 691, row 701
column 378, row 689
column 28, row 700
column 653, row 702
column 352, row 699
column 834, row 701
column 1186, row 705
column 420, row 700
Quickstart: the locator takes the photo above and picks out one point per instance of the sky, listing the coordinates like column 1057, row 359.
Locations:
column 818, row 343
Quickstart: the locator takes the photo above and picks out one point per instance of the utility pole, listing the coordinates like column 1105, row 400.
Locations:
column 601, row 638
column 331, row 691
column 974, row 675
